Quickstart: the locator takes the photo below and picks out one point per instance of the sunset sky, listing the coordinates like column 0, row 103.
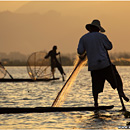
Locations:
column 28, row 26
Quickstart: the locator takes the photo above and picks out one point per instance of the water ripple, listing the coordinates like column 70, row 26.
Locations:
column 42, row 94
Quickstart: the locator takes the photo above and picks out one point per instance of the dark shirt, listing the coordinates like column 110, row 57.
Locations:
column 53, row 55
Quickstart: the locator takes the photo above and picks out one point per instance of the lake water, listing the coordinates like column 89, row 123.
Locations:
column 42, row 94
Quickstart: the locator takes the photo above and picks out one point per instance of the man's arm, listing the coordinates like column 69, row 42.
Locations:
column 47, row 56
column 107, row 43
column 80, row 50
column 58, row 53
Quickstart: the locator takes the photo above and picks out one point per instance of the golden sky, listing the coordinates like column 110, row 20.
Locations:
column 33, row 26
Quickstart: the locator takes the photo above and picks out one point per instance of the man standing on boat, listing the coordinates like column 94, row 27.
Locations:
column 54, row 62
column 96, row 45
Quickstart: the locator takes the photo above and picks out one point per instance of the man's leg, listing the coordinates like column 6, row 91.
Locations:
column 61, row 70
column 97, row 84
column 53, row 71
column 95, row 99
column 120, row 88
column 114, row 79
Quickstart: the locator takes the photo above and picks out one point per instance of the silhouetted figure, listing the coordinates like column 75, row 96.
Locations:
column 54, row 62
column 96, row 45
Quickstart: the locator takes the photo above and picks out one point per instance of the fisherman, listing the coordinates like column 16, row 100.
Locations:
column 95, row 45
column 54, row 62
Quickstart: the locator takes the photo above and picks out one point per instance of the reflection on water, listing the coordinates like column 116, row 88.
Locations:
column 42, row 94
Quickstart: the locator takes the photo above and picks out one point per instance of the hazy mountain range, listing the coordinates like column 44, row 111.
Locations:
column 38, row 26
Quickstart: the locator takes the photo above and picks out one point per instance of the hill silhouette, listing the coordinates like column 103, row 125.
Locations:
column 35, row 32
column 39, row 25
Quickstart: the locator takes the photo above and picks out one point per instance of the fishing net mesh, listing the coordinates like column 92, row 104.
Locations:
column 68, row 84
column 2, row 72
column 38, row 67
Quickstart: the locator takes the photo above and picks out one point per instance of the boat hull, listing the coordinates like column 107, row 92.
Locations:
column 7, row 110
column 27, row 80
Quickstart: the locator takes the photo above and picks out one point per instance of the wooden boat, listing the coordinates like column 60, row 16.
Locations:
column 27, row 80
column 7, row 110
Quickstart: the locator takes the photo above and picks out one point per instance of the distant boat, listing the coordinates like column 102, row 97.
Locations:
column 28, row 80
column 38, row 69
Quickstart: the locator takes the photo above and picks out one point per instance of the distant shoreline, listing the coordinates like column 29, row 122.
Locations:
column 63, row 65
column 19, row 59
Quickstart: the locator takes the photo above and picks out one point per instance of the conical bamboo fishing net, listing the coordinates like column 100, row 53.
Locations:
column 68, row 84
column 38, row 67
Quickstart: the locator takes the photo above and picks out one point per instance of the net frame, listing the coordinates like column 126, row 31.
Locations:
column 37, row 66
column 2, row 72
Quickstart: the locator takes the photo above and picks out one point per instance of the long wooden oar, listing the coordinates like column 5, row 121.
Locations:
column 6, row 71
column 114, row 75
column 122, row 103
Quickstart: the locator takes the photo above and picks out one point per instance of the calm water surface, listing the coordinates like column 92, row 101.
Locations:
column 42, row 94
